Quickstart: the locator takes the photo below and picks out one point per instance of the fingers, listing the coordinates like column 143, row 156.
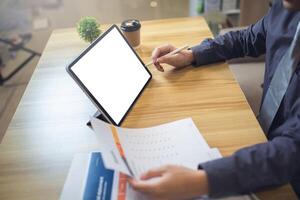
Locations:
column 160, row 52
column 177, row 60
column 142, row 186
column 169, row 59
column 158, row 66
column 153, row 173
column 146, row 185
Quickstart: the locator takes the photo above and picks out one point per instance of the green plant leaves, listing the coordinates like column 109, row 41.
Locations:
column 88, row 29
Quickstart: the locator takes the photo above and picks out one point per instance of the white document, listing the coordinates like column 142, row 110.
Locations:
column 133, row 152
column 178, row 142
column 86, row 169
column 89, row 180
column 74, row 186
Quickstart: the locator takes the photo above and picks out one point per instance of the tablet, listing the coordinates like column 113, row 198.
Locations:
column 111, row 74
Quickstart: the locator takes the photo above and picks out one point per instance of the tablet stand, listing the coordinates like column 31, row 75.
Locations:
column 98, row 115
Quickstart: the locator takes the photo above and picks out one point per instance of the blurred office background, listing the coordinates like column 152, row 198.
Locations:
column 29, row 23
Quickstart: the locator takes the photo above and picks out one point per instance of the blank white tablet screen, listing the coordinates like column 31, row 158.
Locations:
column 113, row 74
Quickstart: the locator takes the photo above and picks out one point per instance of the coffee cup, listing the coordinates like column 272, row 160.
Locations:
column 131, row 31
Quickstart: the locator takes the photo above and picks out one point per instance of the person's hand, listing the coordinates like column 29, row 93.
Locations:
column 172, row 182
column 179, row 60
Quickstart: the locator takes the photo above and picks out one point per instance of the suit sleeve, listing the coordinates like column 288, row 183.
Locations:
column 247, row 42
column 260, row 166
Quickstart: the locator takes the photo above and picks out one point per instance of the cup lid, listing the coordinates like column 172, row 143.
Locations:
column 130, row 25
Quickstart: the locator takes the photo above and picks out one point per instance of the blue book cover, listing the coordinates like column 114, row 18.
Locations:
column 99, row 180
column 88, row 179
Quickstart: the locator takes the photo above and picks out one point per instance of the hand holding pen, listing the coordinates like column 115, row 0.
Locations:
column 168, row 54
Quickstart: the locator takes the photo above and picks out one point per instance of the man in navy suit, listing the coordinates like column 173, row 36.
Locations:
column 257, row 167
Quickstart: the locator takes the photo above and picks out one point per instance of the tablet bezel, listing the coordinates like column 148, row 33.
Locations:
column 89, row 94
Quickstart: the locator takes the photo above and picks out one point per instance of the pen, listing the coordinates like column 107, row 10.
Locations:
column 120, row 149
column 172, row 53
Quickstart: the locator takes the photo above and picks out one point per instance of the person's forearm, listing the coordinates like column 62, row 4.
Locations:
column 254, row 168
column 247, row 42
column 206, row 53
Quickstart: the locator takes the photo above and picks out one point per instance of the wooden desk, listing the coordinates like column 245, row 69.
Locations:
column 48, row 127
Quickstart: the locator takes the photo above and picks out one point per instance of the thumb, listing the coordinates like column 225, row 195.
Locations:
column 165, row 59
column 153, row 173
column 142, row 186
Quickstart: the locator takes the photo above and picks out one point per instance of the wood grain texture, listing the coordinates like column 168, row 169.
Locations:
column 48, row 127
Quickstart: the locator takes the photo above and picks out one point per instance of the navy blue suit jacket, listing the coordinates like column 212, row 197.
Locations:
column 277, row 161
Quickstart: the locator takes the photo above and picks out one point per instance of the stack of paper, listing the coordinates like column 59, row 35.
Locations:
column 130, row 152
column 134, row 151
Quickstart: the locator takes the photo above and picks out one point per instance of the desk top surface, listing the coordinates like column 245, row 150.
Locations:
column 48, row 127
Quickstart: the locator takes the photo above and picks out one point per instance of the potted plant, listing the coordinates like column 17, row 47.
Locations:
column 88, row 29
